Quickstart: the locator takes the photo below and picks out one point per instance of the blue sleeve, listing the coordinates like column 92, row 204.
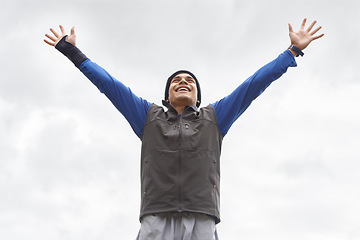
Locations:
column 231, row 107
column 133, row 108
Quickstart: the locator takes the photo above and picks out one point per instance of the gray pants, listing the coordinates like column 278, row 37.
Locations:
column 177, row 226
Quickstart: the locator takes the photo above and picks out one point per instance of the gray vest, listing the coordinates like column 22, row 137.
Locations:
column 180, row 161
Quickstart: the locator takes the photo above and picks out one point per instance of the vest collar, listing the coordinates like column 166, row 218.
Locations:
column 188, row 110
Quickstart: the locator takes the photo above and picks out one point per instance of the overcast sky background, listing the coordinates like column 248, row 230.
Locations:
column 69, row 161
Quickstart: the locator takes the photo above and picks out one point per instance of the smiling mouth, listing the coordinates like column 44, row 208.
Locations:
column 182, row 89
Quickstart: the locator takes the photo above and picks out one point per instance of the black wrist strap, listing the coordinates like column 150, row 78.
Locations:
column 71, row 52
column 297, row 50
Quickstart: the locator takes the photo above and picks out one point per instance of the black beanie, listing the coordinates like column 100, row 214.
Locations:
column 176, row 73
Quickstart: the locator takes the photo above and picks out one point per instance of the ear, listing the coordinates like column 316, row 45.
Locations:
column 198, row 101
column 167, row 100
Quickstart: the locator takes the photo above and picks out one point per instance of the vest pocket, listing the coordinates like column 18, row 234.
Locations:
column 187, row 136
column 216, row 197
column 144, row 178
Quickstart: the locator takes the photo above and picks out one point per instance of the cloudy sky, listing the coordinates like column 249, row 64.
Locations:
column 69, row 162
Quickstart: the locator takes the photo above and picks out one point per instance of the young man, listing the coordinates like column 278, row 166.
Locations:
column 180, row 154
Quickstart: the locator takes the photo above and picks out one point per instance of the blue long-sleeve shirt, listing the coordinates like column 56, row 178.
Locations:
column 228, row 109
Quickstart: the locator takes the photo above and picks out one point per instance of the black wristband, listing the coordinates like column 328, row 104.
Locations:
column 71, row 52
column 297, row 50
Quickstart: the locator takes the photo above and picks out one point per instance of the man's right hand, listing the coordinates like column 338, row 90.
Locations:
column 53, row 40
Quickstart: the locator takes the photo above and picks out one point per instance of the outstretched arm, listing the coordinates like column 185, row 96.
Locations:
column 133, row 108
column 303, row 38
column 231, row 107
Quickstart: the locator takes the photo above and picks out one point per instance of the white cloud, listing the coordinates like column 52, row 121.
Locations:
column 69, row 162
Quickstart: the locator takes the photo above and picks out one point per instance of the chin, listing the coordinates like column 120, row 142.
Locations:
column 185, row 101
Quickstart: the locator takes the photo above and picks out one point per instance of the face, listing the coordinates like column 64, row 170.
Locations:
column 183, row 90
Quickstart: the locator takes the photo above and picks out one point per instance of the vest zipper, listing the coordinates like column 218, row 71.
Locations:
column 180, row 170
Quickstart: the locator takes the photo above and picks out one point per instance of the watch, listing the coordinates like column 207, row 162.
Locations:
column 297, row 50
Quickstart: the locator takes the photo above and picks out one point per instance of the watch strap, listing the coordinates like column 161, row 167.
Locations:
column 297, row 50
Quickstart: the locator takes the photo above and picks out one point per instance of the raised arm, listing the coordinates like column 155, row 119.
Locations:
column 133, row 108
column 232, row 106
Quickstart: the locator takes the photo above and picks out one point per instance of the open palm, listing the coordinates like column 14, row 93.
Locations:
column 303, row 38
column 53, row 40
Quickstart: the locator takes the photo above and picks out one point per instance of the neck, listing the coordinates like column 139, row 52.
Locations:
column 179, row 109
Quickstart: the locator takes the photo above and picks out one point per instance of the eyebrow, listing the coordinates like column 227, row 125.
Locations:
column 185, row 77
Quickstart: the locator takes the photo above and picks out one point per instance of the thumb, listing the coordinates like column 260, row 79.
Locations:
column 290, row 28
column 72, row 31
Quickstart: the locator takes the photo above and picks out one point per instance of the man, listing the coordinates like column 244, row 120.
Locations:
column 180, row 154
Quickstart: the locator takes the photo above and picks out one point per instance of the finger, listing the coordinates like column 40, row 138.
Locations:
column 315, row 31
column 55, row 33
column 50, row 43
column 290, row 28
column 62, row 30
column 50, row 37
column 72, row 31
column 317, row 37
column 311, row 26
column 303, row 24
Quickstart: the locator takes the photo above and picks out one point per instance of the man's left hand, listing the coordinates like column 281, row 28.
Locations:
column 303, row 38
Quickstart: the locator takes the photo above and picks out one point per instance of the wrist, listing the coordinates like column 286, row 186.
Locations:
column 295, row 51
column 70, row 51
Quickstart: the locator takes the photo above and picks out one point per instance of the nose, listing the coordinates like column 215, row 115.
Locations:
column 183, row 81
